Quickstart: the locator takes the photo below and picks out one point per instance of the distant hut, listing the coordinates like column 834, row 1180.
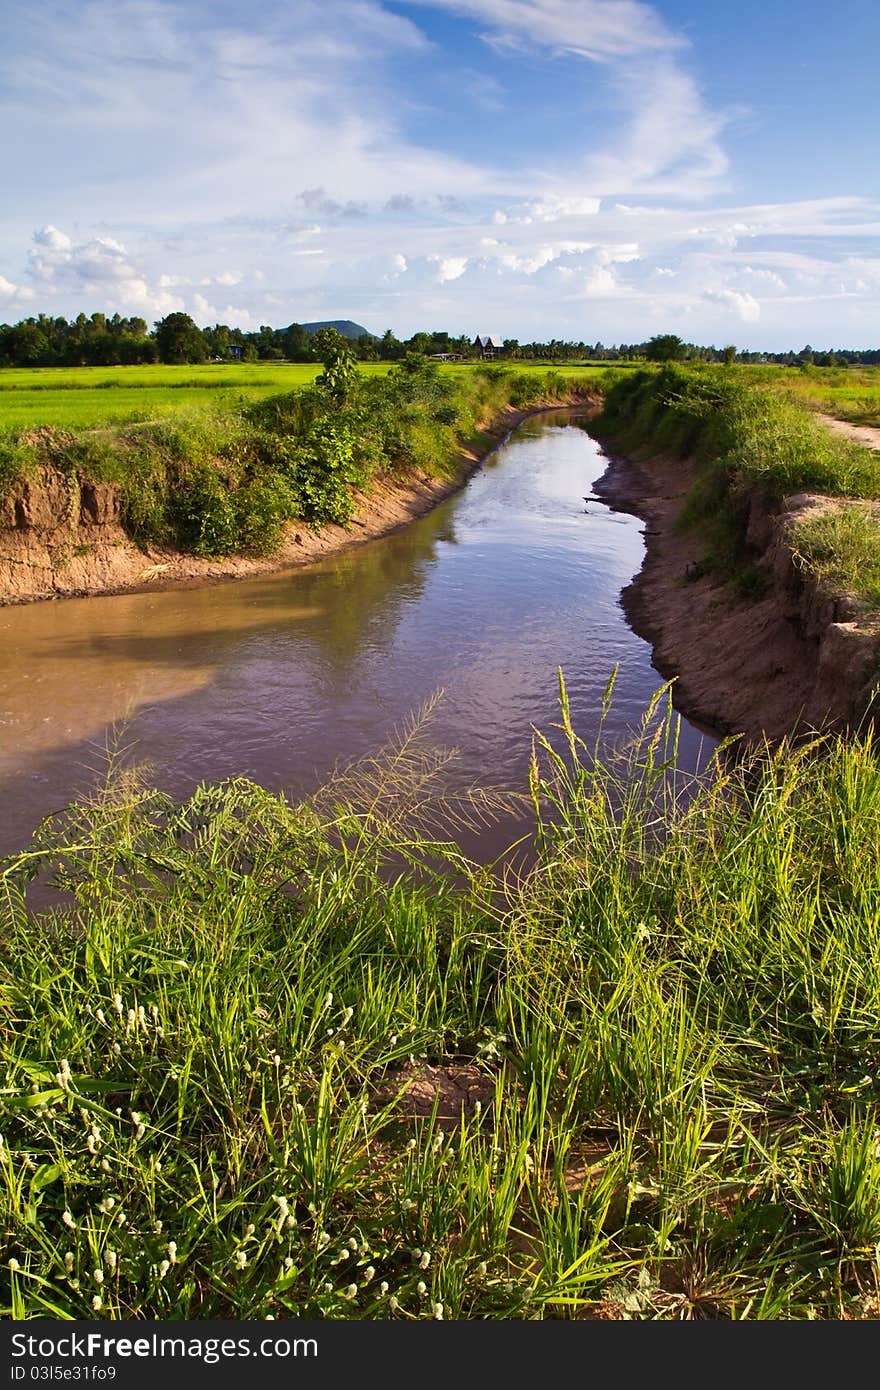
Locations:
column 488, row 347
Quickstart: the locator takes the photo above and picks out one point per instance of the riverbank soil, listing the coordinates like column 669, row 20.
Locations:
column 793, row 659
column 62, row 537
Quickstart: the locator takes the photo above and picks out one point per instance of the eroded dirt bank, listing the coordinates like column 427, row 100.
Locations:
column 799, row 657
column 61, row 536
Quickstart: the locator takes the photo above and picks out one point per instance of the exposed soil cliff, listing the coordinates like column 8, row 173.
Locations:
column 61, row 535
column 798, row 657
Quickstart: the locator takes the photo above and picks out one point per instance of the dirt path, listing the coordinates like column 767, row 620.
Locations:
column 866, row 435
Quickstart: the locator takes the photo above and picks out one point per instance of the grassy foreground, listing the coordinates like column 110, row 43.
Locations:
column 672, row 1026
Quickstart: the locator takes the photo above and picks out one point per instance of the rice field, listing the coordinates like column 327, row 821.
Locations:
column 77, row 398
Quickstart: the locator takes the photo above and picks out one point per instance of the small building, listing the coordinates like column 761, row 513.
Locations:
column 488, row 347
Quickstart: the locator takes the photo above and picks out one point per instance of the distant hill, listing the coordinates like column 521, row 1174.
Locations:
column 343, row 326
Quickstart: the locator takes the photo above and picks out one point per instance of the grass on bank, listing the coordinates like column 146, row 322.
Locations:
column 675, row 1019
column 223, row 481
column 747, row 438
column 841, row 545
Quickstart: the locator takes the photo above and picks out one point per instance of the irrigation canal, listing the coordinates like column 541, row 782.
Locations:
column 279, row 679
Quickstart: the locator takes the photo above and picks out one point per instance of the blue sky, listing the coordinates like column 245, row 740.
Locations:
column 596, row 169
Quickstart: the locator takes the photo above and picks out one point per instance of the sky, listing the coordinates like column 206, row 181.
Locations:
column 587, row 169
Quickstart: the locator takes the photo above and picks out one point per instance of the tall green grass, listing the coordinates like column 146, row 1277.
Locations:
column 672, row 1024
column 841, row 545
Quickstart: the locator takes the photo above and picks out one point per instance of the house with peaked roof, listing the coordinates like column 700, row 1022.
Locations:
column 488, row 346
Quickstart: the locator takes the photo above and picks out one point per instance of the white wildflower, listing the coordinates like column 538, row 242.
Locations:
column 67, row 1218
column 164, row 1268
column 117, row 1004
column 14, row 1265
column 351, row 1291
column 97, row 1303
column 421, row 1288
column 438, row 1312
column 425, row 1259
column 240, row 1259
column 172, row 1251
column 68, row 1262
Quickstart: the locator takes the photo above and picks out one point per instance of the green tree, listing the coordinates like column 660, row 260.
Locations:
column 728, row 355
column 339, row 377
column 180, row 339
column 297, row 344
column 665, row 347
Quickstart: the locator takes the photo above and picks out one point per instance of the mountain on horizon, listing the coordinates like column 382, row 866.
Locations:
column 346, row 327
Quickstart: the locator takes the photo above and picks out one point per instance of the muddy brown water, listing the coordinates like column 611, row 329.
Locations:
column 279, row 679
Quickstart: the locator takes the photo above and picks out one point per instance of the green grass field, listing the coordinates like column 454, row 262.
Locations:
column 84, row 397
column 849, row 393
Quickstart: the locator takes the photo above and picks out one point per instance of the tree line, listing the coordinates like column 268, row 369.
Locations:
column 99, row 340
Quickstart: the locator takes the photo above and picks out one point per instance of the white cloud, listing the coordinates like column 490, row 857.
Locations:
column 11, row 294
column 601, row 283
column 551, row 208
column 745, row 306
column 449, row 267
column 602, row 30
